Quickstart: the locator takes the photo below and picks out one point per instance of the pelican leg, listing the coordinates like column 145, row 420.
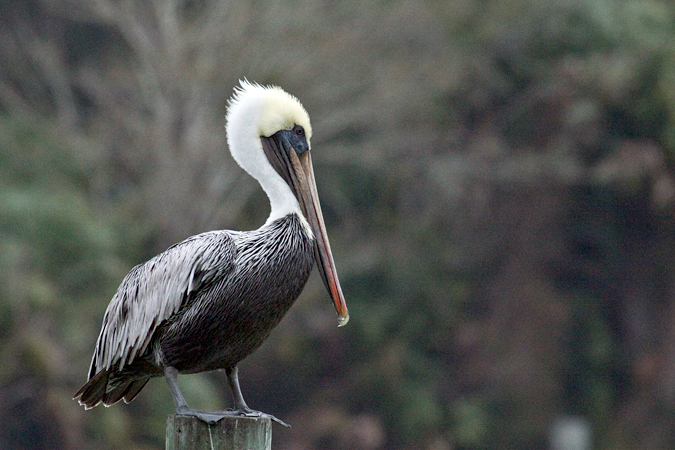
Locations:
column 182, row 408
column 238, row 399
column 240, row 406
column 171, row 377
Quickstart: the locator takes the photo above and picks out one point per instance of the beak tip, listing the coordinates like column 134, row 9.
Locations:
column 342, row 320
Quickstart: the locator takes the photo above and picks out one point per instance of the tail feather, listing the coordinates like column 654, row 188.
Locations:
column 109, row 388
column 134, row 388
column 92, row 393
column 115, row 394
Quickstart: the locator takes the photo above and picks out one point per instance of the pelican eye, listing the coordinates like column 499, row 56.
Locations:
column 298, row 130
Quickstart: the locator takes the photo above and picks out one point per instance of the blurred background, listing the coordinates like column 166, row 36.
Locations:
column 497, row 177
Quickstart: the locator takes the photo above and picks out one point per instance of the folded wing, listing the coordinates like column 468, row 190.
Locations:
column 155, row 290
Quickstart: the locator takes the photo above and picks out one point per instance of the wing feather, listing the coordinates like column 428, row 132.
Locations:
column 153, row 291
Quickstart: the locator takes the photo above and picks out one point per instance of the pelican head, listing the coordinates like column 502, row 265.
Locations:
column 269, row 133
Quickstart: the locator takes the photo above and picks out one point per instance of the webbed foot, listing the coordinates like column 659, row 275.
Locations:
column 248, row 412
column 210, row 417
column 213, row 417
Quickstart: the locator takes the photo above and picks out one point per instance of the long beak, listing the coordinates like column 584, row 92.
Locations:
column 298, row 172
column 309, row 202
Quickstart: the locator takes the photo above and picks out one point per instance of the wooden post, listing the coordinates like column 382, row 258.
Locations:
column 230, row 433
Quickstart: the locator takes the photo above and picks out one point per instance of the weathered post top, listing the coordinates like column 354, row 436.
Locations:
column 229, row 433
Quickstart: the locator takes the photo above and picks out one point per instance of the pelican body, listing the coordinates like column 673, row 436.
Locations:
column 208, row 302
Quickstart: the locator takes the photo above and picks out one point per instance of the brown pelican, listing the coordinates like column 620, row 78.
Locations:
column 208, row 302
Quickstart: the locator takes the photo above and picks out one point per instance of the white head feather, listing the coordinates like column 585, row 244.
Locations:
column 255, row 111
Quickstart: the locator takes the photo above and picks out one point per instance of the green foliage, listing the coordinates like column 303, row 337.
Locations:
column 58, row 261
